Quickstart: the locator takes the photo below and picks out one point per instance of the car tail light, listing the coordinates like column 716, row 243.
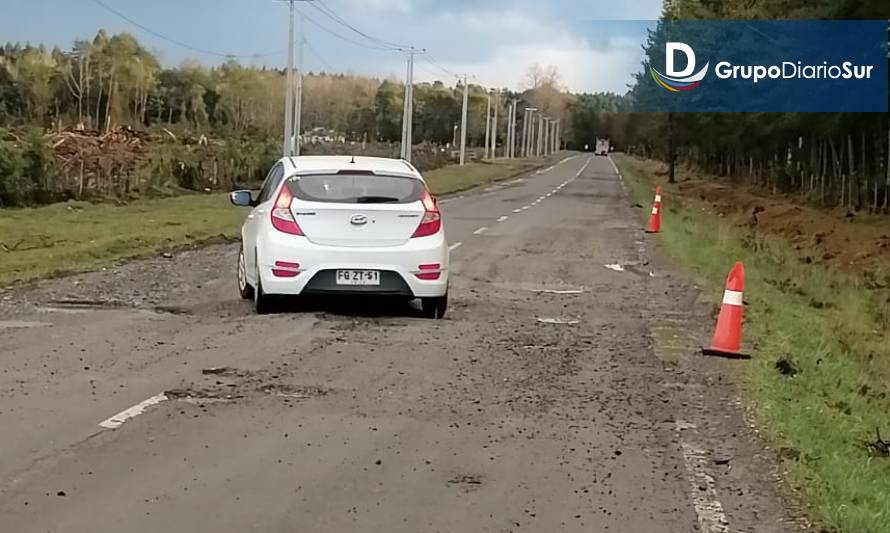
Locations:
column 432, row 220
column 285, row 269
column 282, row 218
column 429, row 272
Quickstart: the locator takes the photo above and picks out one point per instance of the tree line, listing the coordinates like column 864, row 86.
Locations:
column 112, row 80
column 112, row 84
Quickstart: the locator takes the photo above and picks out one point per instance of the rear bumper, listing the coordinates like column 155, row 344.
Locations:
column 398, row 266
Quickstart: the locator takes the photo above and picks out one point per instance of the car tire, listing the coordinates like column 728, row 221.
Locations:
column 262, row 302
column 244, row 288
column 434, row 308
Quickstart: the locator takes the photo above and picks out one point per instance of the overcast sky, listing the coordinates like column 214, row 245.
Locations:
column 494, row 40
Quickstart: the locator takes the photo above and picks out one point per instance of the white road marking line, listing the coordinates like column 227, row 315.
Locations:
column 614, row 167
column 542, row 198
column 455, row 246
column 511, row 182
column 549, row 194
column 559, row 291
column 562, row 321
column 711, row 518
column 449, row 200
column 589, row 159
column 503, row 218
column 616, row 267
column 517, row 210
column 480, row 231
column 525, row 207
column 118, row 420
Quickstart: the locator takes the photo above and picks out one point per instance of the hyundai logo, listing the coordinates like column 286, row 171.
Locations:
column 358, row 220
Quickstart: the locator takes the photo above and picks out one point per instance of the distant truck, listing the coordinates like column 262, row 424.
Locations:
column 602, row 147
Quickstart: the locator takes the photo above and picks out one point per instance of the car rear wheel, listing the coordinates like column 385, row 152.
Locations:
column 244, row 288
column 434, row 307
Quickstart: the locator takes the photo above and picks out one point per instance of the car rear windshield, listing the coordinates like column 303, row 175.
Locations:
column 355, row 188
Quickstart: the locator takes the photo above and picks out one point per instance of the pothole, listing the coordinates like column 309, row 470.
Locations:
column 202, row 394
column 468, row 482
column 86, row 304
column 227, row 384
column 299, row 392
column 81, row 305
column 22, row 324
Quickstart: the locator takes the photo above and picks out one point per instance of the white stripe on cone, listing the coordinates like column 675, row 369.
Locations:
column 732, row 298
column 658, row 198
column 655, row 210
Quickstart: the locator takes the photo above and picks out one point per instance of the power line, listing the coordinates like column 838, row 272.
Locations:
column 436, row 64
column 177, row 42
column 331, row 14
column 378, row 44
column 341, row 37
column 428, row 71
column 319, row 57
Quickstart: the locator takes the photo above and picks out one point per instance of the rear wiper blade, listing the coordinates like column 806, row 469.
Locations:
column 375, row 199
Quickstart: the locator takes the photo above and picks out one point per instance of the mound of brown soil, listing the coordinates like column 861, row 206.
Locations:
column 856, row 243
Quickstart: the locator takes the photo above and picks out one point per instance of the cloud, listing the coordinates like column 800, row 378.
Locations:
column 581, row 69
column 398, row 6
column 500, row 58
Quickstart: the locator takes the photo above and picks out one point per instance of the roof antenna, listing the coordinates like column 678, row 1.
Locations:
column 353, row 160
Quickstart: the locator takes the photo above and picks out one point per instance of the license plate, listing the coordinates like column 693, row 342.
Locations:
column 358, row 277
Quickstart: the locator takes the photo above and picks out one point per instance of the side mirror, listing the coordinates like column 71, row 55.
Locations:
column 241, row 198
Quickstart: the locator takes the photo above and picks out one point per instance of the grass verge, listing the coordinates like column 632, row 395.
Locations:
column 454, row 178
column 71, row 237
column 821, row 367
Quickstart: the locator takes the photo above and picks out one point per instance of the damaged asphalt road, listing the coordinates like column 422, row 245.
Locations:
column 548, row 400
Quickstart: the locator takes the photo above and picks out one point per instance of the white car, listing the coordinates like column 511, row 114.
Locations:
column 343, row 225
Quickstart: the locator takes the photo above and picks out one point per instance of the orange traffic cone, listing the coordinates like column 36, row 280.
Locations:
column 654, row 225
column 727, row 339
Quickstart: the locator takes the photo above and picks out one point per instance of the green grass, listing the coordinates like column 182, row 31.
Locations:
column 71, row 237
column 833, row 328
column 455, row 178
